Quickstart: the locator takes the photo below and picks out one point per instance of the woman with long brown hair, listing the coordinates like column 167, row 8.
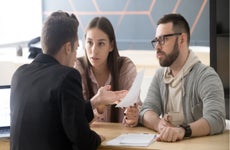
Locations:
column 102, row 65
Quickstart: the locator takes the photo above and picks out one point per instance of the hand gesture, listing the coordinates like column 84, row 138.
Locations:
column 106, row 97
column 110, row 97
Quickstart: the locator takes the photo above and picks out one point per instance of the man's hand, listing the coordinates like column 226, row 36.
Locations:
column 164, row 122
column 131, row 116
column 102, row 138
column 171, row 134
column 168, row 132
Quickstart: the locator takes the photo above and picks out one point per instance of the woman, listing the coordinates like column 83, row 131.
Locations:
column 102, row 65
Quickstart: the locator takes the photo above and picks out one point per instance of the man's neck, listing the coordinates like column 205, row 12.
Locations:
column 179, row 63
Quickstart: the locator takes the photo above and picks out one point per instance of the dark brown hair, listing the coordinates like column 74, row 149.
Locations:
column 114, row 59
column 179, row 23
column 59, row 28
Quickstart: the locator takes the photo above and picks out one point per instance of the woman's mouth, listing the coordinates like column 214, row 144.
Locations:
column 94, row 58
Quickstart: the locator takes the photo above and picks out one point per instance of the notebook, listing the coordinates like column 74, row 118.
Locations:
column 4, row 111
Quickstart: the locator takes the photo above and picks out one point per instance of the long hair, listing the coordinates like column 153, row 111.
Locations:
column 113, row 61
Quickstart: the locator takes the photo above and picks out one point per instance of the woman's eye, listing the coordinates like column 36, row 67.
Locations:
column 101, row 44
column 90, row 43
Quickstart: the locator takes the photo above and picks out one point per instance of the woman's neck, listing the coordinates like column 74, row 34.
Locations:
column 101, row 74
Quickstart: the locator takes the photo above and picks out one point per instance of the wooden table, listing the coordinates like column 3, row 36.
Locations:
column 4, row 144
column 112, row 130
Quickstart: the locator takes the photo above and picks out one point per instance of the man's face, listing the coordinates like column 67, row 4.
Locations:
column 72, row 56
column 167, row 52
column 167, row 60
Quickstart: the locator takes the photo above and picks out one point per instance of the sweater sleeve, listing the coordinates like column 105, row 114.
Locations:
column 211, row 91
column 154, row 100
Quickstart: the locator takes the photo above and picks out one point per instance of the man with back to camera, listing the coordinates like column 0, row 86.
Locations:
column 47, row 106
column 188, row 94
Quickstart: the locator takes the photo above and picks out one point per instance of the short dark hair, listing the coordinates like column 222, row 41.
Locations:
column 59, row 28
column 179, row 23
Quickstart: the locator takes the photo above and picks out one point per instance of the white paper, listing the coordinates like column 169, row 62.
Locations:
column 134, row 92
column 132, row 139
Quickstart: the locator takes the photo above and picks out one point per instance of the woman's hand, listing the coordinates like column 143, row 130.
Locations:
column 131, row 116
column 106, row 97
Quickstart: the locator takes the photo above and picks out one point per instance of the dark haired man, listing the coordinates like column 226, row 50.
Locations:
column 188, row 94
column 47, row 107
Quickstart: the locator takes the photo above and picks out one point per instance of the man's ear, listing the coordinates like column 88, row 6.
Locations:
column 183, row 38
column 67, row 47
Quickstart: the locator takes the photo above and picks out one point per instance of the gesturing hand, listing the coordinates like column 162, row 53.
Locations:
column 106, row 97
column 110, row 97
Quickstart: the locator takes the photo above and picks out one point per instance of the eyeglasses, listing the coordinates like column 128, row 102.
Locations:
column 161, row 39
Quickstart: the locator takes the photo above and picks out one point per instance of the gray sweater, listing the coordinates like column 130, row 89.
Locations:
column 203, row 96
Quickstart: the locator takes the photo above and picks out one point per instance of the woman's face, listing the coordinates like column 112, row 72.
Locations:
column 98, row 46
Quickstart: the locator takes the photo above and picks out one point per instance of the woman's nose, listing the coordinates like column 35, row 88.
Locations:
column 94, row 48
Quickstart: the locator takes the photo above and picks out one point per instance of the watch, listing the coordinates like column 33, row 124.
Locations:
column 188, row 131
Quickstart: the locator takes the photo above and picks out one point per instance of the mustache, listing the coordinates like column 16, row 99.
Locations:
column 160, row 52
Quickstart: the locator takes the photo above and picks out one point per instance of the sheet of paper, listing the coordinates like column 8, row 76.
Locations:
column 132, row 139
column 134, row 92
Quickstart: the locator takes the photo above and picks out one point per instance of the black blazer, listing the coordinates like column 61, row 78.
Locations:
column 48, row 111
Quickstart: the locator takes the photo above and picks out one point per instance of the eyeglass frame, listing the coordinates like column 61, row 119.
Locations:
column 161, row 39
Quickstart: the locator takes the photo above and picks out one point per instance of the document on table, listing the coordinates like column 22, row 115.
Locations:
column 133, row 139
column 133, row 93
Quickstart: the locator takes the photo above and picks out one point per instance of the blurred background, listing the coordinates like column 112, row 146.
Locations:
column 134, row 22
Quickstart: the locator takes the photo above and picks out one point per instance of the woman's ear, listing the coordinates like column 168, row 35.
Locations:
column 111, row 46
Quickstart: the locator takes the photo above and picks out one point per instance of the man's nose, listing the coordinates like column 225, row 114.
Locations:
column 157, row 45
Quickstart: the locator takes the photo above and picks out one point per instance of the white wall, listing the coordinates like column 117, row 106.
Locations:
column 21, row 20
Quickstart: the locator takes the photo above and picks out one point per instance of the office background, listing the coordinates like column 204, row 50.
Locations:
column 135, row 21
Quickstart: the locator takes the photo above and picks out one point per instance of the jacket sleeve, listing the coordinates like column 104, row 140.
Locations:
column 89, row 111
column 73, row 114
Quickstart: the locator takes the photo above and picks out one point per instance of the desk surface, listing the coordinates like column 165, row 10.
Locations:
column 112, row 130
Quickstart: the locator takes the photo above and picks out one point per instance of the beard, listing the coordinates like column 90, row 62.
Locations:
column 169, row 58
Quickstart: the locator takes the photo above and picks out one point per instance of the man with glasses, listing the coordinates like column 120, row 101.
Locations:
column 185, row 98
